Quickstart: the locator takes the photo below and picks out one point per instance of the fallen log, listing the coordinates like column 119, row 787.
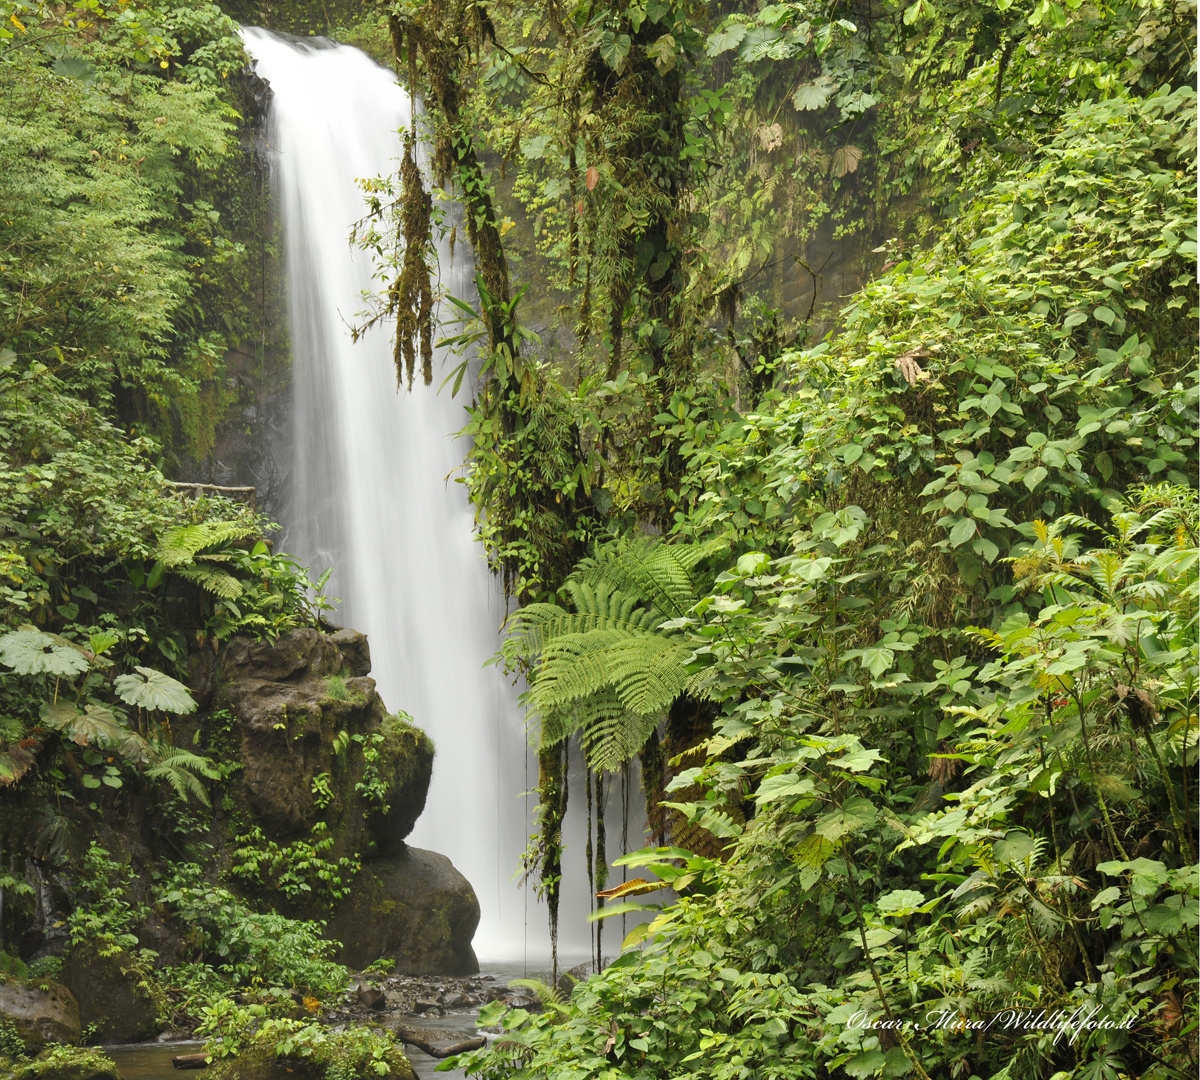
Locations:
column 441, row 1050
column 190, row 1061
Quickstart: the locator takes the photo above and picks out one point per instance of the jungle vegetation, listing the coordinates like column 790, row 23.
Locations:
column 893, row 597
column 129, row 208
column 891, row 594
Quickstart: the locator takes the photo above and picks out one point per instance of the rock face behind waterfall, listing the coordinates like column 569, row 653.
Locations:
column 305, row 718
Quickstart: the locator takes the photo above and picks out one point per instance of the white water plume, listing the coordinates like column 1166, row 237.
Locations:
column 372, row 494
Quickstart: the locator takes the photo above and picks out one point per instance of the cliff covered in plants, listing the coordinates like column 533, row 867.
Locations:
column 894, row 601
column 193, row 766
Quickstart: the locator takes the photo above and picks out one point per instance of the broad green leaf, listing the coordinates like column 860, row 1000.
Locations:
column 871, row 1061
column 30, row 652
column 809, row 96
column 899, row 902
column 1016, row 847
column 154, row 691
column 76, row 67
column 95, row 726
column 1105, row 315
column 724, row 40
column 962, row 532
column 1034, row 477
column 858, row 761
column 854, row 813
column 787, row 786
column 613, row 49
column 813, row 850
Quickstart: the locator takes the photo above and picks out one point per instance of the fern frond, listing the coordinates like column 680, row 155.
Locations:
column 178, row 768
column 548, row 995
column 646, row 671
column 215, row 581
column 180, row 545
column 660, row 575
column 611, row 740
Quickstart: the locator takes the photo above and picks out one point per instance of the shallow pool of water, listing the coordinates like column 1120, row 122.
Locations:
column 152, row 1061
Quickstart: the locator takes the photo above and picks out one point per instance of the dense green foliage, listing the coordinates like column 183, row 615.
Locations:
column 937, row 714
column 124, row 280
column 896, row 606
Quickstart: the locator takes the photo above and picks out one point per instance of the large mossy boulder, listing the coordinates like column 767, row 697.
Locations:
column 39, row 1012
column 62, row 1063
column 303, row 706
column 413, row 908
column 115, row 993
column 335, row 1054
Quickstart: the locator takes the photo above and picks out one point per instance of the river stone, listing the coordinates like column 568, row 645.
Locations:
column 438, row 1042
column 123, row 1003
column 414, row 908
column 41, row 1012
column 257, row 1061
column 75, row 1064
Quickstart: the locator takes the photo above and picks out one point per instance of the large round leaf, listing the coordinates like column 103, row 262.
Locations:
column 152, row 690
column 30, row 652
column 95, row 726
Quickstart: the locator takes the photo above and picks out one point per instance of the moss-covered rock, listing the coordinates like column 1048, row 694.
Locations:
column 317, row 1054
column 286, row 719
column 38, row 1012
column 303, row 707
column 66, row 1063
column 414, row 908
column 405, row 766
column 115, row 993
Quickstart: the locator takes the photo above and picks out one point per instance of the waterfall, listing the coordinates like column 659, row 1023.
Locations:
column 372, row 493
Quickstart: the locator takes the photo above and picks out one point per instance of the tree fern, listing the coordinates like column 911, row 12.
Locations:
column 213, row 579
column 660, row 575
column 605, row 668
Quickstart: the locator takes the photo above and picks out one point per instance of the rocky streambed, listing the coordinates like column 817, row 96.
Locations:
column 433, row 1016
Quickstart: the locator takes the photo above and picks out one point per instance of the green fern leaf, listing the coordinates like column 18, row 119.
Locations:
column 215, row 581
column 180, row 545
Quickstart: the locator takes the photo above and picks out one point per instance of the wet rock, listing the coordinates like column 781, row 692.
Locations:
column 372, row 997
column 41, row 1012
column 113, row 994
column 414, row 908
column 580, row 973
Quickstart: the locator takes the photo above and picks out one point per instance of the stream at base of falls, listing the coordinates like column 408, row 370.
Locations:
column 152, row 1061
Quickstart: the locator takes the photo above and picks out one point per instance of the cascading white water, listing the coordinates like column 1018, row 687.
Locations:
column 372, row 490
column 372, row 494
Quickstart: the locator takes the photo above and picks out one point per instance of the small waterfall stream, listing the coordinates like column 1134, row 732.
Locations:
column 372, row 495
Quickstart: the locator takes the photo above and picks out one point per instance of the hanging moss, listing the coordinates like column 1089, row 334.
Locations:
column 412, row 295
